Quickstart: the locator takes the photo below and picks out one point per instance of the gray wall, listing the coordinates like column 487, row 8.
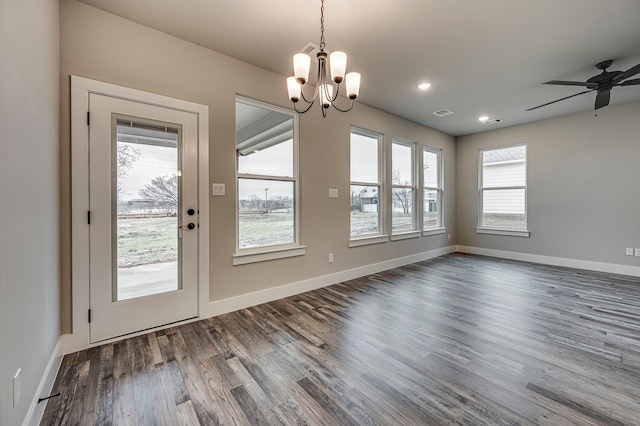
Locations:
column 105, row 47
column 29, row 253
column 583, row 177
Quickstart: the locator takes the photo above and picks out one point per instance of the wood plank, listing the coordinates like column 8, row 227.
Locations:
column 187, row 415
column 206, row 409
column 124, row 407
column 103, row 414
column 337, row 413
column 93, row 376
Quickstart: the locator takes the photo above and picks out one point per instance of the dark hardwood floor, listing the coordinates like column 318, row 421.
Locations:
column 460, row 339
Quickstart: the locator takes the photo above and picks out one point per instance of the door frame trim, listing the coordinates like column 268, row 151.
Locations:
column 80, row 89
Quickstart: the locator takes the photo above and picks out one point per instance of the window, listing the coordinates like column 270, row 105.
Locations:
column 503, row 191
column 432, row 188
column 366, row 185
column 403, row 178
column 267, row 181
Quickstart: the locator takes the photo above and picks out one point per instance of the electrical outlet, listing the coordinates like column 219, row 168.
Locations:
column 629, row 251
column 333, row 193
column 330, row 257
column 638, row 252
column 17, row 387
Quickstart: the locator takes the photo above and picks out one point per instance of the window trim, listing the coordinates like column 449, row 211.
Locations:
column 415, row 225
column 381, row 236
column 371, row 239
column 440, row 227
column 434, row 231
column 494, row 230
column 277, row 251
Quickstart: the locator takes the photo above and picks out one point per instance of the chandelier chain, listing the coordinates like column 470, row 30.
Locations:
column 322, row 26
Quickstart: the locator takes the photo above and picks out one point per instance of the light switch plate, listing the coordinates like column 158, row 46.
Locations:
column 333, row 193
column 217, row 189
column 638, row 252
column 629, row 251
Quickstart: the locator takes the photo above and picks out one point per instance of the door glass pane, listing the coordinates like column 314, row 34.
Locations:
column 146, row 209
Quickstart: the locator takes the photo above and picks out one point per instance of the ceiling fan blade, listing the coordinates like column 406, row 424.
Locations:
column 630, row 82
column 602, row 99
column 558, row 100
column 571, row 83
column 628, row 73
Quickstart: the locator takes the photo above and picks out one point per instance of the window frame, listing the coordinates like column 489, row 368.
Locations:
column 483, row 229
column 277, row 251
column 381, row 236
column 415, row 225
column 440, row 227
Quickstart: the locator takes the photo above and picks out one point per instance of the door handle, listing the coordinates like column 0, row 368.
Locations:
column 191, row 225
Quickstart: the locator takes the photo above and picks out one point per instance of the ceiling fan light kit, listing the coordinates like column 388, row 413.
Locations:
column 601, row 83
column 325, row 89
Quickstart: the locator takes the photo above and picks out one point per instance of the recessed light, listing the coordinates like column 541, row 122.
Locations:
column 493, row 121
column 483, row 118
column 424, row 86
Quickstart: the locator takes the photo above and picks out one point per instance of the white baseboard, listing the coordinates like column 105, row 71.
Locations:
column 35, row 412
column 231, row 304
column 610, row 268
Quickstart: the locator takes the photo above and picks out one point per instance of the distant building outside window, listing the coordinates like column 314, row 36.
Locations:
column 366, row 183
column 503, row 188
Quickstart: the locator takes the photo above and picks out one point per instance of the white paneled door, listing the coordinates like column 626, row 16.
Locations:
column 143, row 216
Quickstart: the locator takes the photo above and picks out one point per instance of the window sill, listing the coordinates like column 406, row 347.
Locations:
column 507, row 232
column 405, row 235
column 269, row 254
column 364, row 241
column 433, row 231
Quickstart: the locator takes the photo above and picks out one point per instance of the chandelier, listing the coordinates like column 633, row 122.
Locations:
column 325, row 90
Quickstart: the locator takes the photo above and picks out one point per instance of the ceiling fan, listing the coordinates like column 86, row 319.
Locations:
column 602, row 83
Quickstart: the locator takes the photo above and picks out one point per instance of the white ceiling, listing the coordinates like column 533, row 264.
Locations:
column 485, row 57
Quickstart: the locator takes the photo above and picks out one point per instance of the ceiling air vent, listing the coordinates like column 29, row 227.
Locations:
column 312, row 50
column 494, row 121
column 443, row 112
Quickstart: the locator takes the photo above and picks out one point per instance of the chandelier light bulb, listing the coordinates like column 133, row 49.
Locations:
column 301, row 65
column 338, row 63
column 326, row 95
column 353, row 85
column 294, row 89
